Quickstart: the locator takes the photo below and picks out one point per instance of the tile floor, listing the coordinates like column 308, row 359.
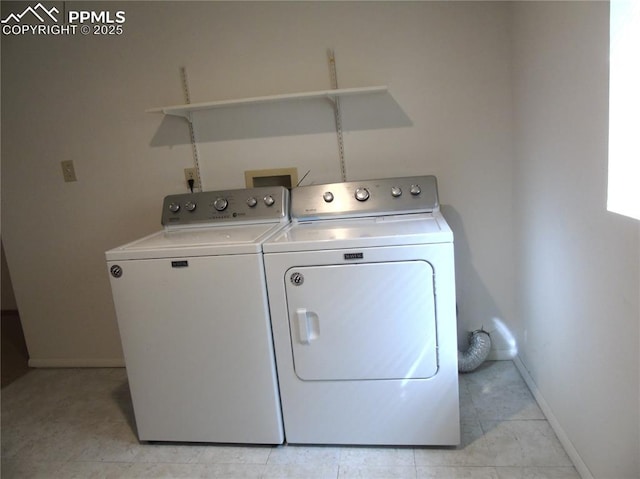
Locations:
column 78, row 423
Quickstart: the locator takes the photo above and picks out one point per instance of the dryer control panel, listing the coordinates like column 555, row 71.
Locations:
column 254, row 205
column 414, row 194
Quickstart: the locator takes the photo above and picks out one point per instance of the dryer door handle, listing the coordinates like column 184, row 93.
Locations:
column 308, row 325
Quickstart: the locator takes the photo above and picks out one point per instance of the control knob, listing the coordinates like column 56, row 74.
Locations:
column 174, row 207
column 327, row 196
column 396, row 191
column 268, row 200
column 220, row 204
column 362, row 194
column 251, row 202
column 190, row 206
column 415, row 190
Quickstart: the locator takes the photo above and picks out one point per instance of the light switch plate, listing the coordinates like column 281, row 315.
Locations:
column 68, row 171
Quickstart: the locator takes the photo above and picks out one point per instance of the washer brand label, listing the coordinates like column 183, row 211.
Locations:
column 179, row 264
column 348, row 256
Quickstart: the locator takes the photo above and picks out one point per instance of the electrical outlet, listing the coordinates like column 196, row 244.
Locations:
column 192, row 174
column 68, row 171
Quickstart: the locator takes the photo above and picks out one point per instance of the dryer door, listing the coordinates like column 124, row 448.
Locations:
column 363, row 321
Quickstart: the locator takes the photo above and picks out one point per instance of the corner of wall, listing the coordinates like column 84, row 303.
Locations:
column 572, row 452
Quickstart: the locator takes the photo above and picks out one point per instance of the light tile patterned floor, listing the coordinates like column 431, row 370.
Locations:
column 78, row 423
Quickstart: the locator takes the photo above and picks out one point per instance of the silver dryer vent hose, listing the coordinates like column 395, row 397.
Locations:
column 476, row 353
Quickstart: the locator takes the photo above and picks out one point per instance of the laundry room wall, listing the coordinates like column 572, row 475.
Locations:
column 83, row 98
column 578, row 310
column 7, row 299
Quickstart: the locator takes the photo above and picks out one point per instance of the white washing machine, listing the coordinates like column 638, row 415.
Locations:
column 362, row 297
column 194, row 319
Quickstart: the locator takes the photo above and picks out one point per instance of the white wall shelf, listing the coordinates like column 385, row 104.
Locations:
column 186, row 110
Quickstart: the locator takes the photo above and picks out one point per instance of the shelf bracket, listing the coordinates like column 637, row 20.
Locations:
column 192, row 134
column 337, row 113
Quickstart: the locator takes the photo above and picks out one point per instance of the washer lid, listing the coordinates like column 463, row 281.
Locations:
column 209, row 241
column 427, row 228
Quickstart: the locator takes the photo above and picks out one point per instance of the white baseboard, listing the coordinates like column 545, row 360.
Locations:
column 579, row 464
column 77, row 363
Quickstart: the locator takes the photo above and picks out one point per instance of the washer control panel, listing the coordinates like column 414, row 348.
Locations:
column 263, row 204
column 414, row 194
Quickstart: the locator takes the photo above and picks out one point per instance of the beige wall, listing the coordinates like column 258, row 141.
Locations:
column 8, row 300
column 578, row 276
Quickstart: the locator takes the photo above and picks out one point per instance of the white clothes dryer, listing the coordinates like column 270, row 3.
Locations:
column 194, row 322
column 362, row 297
